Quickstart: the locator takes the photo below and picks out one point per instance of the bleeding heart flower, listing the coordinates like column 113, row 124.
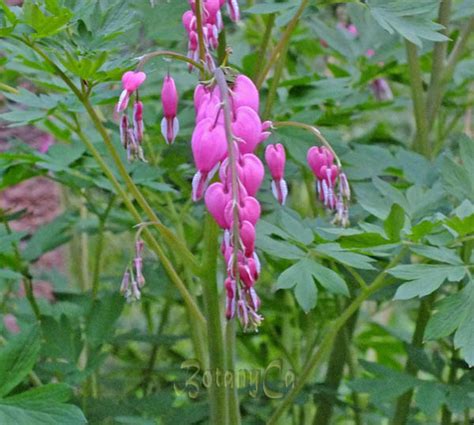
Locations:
column 209, row 147
column 216, row 199
column 245, row 93
column 247, row 128
column 130, row 81
column 317, row 157
column 169, row 100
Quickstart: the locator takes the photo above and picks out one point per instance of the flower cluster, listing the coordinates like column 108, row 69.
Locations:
column 331, row 184
column 231, row 200
column 212, row 25
column 133, row 279
column 131, row 137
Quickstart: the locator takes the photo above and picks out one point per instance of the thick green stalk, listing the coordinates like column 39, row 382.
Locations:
column 319, row 356
column 283, row 42
column 275, row 81
column 335, row 371
column 232, row 390
column 201, row 45
column 99, row 247
column 263, row 46
column 458, row 48
column 24, row 270
column 403, row 403
column 433, row 97
column 215, row 337
column 421, row 143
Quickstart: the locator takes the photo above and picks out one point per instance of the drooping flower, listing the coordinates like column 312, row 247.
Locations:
column 169, row 100
column 275, row 157
column 130, row 81
column 138, row 127
column 209, row 148
column 332, row 185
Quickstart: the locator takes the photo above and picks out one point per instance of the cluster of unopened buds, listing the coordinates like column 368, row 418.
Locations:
column 331, row 183
column 212, row 25
column 133, row 279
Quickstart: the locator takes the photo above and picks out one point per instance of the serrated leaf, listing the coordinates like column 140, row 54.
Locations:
column 17, row 359
column 449, row 314
column 329, row 279
column 441, row 254
column 411, row 20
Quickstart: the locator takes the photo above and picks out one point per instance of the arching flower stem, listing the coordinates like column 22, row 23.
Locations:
column 313, row 130
column 142, row 60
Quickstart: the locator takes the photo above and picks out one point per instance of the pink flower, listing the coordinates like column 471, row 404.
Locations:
column 381, row 89
column 245, row 93
column 248, row 235
column 276, row 158
column 317, row 157
column 247, row 128
column 233, row 8
column 11, row 324
column 251, row 173
column 216, row 199
column 209, row 147
column 130, row 81
column 169, row 100
column 249, row 209
column 138, row 120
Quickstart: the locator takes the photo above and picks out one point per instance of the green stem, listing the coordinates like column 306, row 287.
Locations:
column 99, row 247
column 232, row 390
column 446, row 415
column 335, row 370
column 142, row 60
column 433, row 97
column 275, row 81
column 264, row 46
column 201, row 45
column 313, row 130
column 283, row 42
column 319, row 356
column 421, row 143
column 84, row 250
column 458, row 49
column 24, row 270
column 154, row 350
column 210, row 291
column 403, row 403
